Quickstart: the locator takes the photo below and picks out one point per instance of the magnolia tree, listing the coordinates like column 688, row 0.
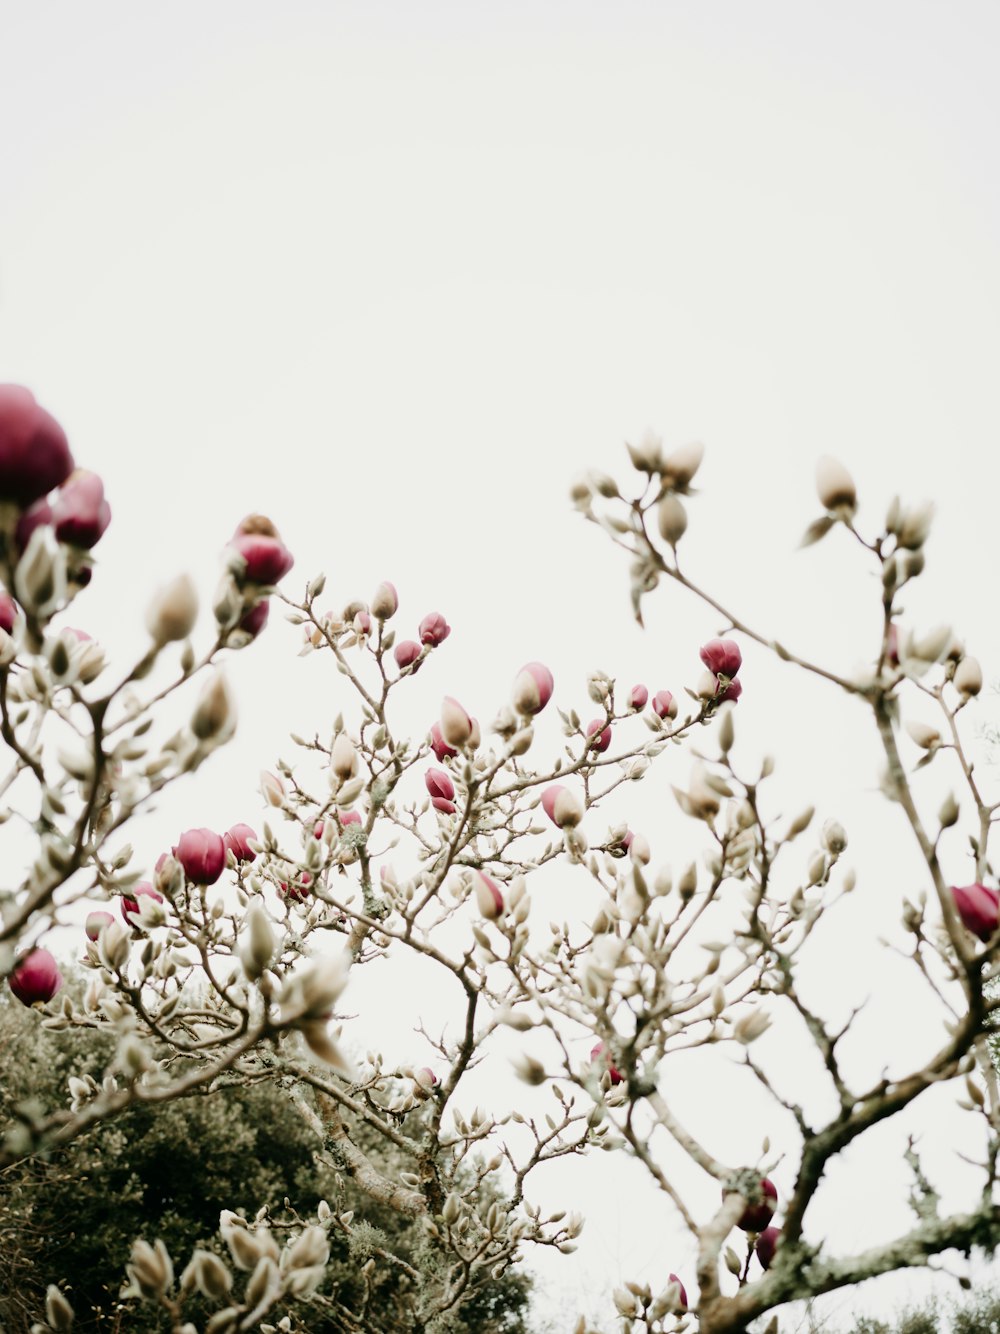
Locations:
column 230, row 957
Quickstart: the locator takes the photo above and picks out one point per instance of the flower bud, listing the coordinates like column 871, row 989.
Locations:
column 456, row 725
column 563, row 807
column 35, row 977
column 80, row 514
column 96, row 922
column 914, row 526
column 968, row 679
column 949, row 812
column 835, row 486
column 682, row 1297
column 672, row 519
column 533, row 687
column 441, row 790
column 252, row 622
column 927, row 738
column 433, row 629
column 664, row 704
column 214, row 717
column 406, row 653
column 173, row 611
column 637, row 698
column 722, row 656
column 257, row 950
column 385, row 603
column 978, row 906
column 439, row 746
column 767, row 1244
column 680, row 466
column 600, row 1057
column 202, row 854
column 130, row 902
column 34, row 454
column 58, row 1311
column 759, row 1211
column 266, row 559
column 834, row 837
column 40, row 576
column 424, row 1080
column 237, row 841
column 344, row 757
column 273, row 788
column 599, row 734
column 489, row 899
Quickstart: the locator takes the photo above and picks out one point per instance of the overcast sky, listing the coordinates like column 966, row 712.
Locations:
column 395, row 273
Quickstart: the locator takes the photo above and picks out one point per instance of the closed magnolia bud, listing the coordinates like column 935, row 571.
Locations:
column 834, row 837
column 173, row 612
column 489, row 899
column 749, row 1027
column 600, row 1057
column 208, row 1274
column 202, row 854
column 150, row 1268
column 680, row 466
column 925, row 737
column 131, row 902
column 80, row 514
column 672, row 519
column 664, row 705
column 978, row 906
column 968, row 678
column 58, row 1311
column 563, row 807
column 533, row 688
column 35, row 977
column 385, row 603
column 767, row 1244
column 257, row 950
column 637, row 698
column 914, row 526
column 441, row 790
column 835, row 486
column 948, row 814
column 759, row 1212
column 214, row 717
column 434, row 629
column 265, row 558
column 442, row 751
column 599, row 735
column 96, row 922
column 456, row 725
column 237, row 841
column 34, row 453
column 681, row 1301
column 406, row 653
column 343, row 757
column 721, row 656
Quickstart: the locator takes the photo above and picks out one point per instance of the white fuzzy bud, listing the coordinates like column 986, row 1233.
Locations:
column 173, row 611
column 835, row 485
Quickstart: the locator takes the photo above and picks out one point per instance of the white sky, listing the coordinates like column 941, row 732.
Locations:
column 395, row 273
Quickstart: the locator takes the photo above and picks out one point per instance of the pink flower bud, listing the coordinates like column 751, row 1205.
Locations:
column 34, row 454
column 755, row 1217
column 254, row 620
column 130, row 902
column 298, row 889
column 80, row 514
column 348, row 817
column 267, row 558
column 8, row 612
column 202, row 854
column 97, row 921
column 721, row 656
column 532, row 688
column 767, row 1244
column 731, row 693
column 456, row 725
column 489, row 900
column 425, row 1078
column 38, row 515
column 441, row 790
column 892, row 645
column 362, row 623
column 600, row 735
column 562, row 806
column 434, row 629
column 664, row 704
column 406, row 653
column 599, row 1056
column 682, row 1297
column 35, row 977
column 979, row 908
column 235, row 841
column 385, row 603
column 637, row 698
column 439, row 746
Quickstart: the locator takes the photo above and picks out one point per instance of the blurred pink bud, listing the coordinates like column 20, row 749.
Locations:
column 892, row 645
column 721, row 656
column 489, row 900
column 767, row 1244
column 456, row 725
column 35, row 976
column 298, row 889
column 97, row 921
column 441, row 790
column 532, row 688
column 664, row 704
column 600, row 735
column 406, row 653
column 439, row 746
column 80, row 514
column 267, row 558
column 130, row 902
column 562, row 806
column 599, row 1056
column 425, row 1078
column 348, row 817
column 731, row 693
column 385, row 603
column 34, row 454
column 755, row 1217
column 682, row 1297
column 254, row 620
column 979, row 908
column 434, row 629
column 362, row 623
column 8, row 612
column 637, row 698
column 202, row 854
column 235, row 841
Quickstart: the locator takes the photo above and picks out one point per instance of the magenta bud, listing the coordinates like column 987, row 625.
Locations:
column 34, row 453
column 254, row 620
column 348, row 817
column 682, row 1297
column 362, row 623
column 267, row 558
column 549, row 800
column 439, row 746
column 755, row 1217
column 97, row 921
column 979, row 908
column 443, row 805
column 434, row 629
column 425, row 1078
column 767, row 1244
column 489, row 899
column 8, row 612
column 563, row 807
column 599, row 1056
column 664, row 704
column 80, row 514
column 721, row 656
column 731, row 693
column 235, row 840
column 600, row 735
column 533, row 687
column 35, row 976
column 406, row 653
column 439, row 785
column 637, row 698
column 299, row 889
column 130, row 902
column 202, row 854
